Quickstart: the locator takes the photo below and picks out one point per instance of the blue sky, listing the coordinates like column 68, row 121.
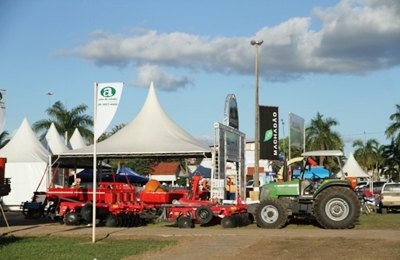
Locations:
column 339, row 58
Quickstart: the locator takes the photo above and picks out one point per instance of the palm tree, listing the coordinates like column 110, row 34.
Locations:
column 393, row 131
column 66, row 120
column 391, row 155
column 4, row 139
column 319, row 135
column 368, row 153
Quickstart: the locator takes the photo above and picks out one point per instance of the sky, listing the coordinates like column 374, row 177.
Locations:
column 338, row 58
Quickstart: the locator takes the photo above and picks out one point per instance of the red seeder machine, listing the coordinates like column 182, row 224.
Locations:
column 125, row 205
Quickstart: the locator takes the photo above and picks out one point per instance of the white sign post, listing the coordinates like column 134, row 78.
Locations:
column 106, row 100
column 2, row 109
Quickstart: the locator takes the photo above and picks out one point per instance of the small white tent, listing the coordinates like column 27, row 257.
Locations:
column 53, row 141
column 26, row 164
column 76, row 141
column 353, row 169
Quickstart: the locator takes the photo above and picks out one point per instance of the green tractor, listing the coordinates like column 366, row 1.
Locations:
column 330, row 199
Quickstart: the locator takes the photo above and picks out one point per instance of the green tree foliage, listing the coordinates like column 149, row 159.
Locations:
column 66, row 121
column 4, row 139
column 368, row 154
column 393, row 131
column 391, row 155
column 391, row 152
column 320, row 136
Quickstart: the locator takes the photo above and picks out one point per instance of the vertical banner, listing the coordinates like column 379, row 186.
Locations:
column 231, row 115
column 269, row 133
column 296, row 133
column 2, row 109
column 107, row 100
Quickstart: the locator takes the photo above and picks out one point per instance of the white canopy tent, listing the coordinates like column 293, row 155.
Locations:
column 53, row 141
column 26, row 164
column 152, row 133
column 76, row 141
column 353, row 169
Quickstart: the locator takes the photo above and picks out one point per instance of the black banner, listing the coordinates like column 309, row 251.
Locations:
column 269, row 133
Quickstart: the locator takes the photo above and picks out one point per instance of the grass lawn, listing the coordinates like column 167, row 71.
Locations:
column 12, row 247
column 75, row 248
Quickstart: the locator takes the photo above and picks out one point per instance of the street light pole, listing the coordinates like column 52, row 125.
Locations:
column 256, row 176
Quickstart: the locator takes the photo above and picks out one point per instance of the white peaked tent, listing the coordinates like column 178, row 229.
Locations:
column 151, row 133
column 353, row 169
column 53, row 141
column 26, row 164
column 76, row 141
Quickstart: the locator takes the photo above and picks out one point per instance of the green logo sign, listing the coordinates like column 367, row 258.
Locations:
column 108, row 92
column 268, row 135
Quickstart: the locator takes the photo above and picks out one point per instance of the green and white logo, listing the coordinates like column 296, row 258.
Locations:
column 268, row 135
column 108, row 92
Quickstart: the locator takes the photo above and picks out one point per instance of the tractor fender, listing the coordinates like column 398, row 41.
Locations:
column 332, row 184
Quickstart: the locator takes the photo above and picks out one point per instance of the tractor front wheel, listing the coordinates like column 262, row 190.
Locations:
column 271, row 213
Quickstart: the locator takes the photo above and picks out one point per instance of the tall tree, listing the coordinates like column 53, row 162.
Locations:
column 320, row 136
column 391, row 155
column 367, row 153
column 66, row 120
column 393, row 131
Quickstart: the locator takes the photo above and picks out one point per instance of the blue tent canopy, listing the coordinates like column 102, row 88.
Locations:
column 127, row 173
column 201, row 170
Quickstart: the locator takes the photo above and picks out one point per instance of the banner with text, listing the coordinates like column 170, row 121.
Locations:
column 269, row 133
column 107, row 100
column 296, row 131
column 2, row 109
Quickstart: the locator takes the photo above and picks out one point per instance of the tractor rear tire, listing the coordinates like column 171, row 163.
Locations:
column 111, row 221
column 204, row 214
column 271, row 213
column 228, row 222
column 185, row 222
column 87, row 212
column 337, row 208
column 72, row 218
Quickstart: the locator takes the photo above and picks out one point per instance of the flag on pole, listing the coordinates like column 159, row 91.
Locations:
column 107, row 100
column 2, row 109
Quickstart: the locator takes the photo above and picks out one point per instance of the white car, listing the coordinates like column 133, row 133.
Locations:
column 389, row 198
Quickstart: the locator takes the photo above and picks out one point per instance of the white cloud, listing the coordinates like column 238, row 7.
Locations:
column 162, row 79
column 356, row 37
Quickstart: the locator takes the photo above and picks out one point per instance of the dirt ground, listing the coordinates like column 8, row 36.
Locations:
column 215, row 242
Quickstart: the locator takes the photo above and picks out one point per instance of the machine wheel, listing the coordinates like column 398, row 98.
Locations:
column 204, row 214
column 384, row 210
column 72, row 218
column 111, row 221
column 228, row 222
column 87, row 212
column 337, row 208
column 271, row 213
column 185, row 222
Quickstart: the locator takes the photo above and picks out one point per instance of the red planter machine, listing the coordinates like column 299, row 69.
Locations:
column 125, row 205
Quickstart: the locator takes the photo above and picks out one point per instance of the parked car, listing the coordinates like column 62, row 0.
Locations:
column 389, row 198
column 376, row 187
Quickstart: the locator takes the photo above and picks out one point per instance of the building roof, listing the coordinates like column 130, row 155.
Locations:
column 165, row 168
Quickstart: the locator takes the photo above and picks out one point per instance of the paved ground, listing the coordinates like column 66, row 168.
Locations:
column 197, row 243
